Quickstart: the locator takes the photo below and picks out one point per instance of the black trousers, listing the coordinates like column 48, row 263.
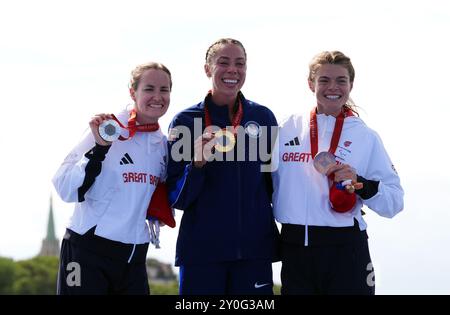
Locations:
column 92, row 265
column 335, row 262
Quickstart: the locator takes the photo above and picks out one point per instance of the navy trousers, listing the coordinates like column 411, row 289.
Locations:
column 242, row 277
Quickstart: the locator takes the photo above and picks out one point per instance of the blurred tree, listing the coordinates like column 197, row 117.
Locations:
column 36, row 276
column 7, row 275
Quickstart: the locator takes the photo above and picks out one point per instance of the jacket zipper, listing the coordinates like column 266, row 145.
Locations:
column 239, row 249
column 132, row 253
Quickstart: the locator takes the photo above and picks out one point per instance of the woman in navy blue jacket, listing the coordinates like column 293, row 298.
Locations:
column 219, row 151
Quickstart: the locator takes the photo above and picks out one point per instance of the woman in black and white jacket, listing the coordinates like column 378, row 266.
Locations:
column 324, row 239
column 111, row 183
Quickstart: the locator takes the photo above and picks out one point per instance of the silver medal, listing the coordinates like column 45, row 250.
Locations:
column 323, row 161
column 109, row 130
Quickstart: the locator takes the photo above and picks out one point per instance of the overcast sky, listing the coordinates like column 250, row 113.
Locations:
column 62, row 62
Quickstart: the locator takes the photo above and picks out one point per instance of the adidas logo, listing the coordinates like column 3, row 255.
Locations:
column 294, row 141
column 126, row 160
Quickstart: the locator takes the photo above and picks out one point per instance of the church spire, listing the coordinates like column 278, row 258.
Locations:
column 51, row 224
column 50, row 244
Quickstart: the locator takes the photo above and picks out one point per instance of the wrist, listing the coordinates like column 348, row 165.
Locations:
column 198, row 164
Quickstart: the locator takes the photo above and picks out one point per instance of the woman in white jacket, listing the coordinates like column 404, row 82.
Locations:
column 111, row 183
column 324, row 239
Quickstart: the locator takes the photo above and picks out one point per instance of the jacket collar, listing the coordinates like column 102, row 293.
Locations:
column 141, row 138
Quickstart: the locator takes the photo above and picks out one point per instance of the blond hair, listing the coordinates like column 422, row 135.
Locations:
column 136, row 74
column 212, row 50
column 333, row 58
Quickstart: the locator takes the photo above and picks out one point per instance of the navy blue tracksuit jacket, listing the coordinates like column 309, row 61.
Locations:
column 227, row 204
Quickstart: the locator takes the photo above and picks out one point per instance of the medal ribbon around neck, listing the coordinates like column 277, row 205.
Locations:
column 235, row 122
column 313, row 132
column 133, row 127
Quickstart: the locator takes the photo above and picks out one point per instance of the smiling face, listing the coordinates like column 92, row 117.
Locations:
column 331, row 85
column 152, row 96
column 227, row 70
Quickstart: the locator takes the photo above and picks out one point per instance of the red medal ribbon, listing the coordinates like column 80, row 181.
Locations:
column 236, row 121
column 133, row 127
column 341, row 200
column 313, row 133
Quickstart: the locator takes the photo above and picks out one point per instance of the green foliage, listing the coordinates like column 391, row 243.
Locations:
column 36, row 276
column 151, row 262
column 7, row 275
column 277, row 289
column 170, row 288
column 39, row 276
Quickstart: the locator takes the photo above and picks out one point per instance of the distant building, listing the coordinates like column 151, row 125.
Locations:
column 159, row 272
column 50, row 244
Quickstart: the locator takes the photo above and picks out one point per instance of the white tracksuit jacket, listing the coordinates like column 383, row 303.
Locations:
column 301, row 194
column 117, row 201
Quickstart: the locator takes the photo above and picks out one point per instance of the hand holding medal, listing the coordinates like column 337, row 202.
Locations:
column 107, row 128
column 203, row 146
column 100, row 135
column 325, row 163
column 345, row 177
column 342, row 196
column 225, row 137
column 225, row 140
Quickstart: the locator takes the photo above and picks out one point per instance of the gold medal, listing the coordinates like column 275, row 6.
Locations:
column 225, row 140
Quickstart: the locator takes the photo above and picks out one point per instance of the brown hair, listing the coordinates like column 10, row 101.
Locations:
column 136, row 74
column 212, row 50
column 333, row 58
